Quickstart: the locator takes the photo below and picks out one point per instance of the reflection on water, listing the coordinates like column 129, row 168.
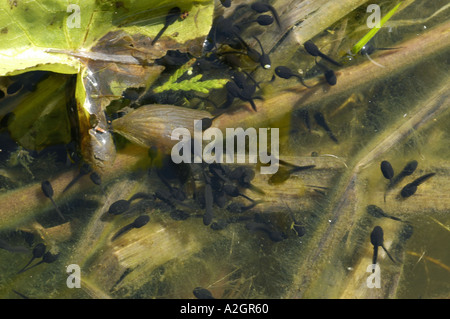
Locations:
column 305, row 236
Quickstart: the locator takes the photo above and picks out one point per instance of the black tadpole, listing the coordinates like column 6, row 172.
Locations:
column 411, row 188
column 38, row 252
column 320, row 120
column 264, row 59
column 376, row 238
column 171, row 17
column 330, row 76
column 47, row 189
column 263, row 20
column 233, row 91
column 377, row 212
column 138, row 223
column 313, row 50
column 387, row 170
column 409, row 168
column 285, row 73
column 119, row 207
column 262, row 7
column 48, row 258
column 202, row 293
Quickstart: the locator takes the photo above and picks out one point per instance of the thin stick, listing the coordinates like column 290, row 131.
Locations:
column 431, row 259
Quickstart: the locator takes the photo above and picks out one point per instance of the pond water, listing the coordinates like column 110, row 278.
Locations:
column 304, row 234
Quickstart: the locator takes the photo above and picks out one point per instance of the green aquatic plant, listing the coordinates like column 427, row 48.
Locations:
column 191, row 84
column 365, row 39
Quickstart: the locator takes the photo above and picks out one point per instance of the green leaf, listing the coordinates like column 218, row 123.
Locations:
column 30, row 28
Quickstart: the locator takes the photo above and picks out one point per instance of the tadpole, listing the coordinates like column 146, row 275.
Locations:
column 48, row 258
column 38, row 252
column 137, row 223
column 376, row 238
column 285, row 73
column 263, row 7
column 202, row 293
column 171, row 17
column 313, row 50
column 320, row 120
column 47, row 189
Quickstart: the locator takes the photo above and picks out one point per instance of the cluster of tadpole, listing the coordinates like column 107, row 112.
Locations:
column 206, row 191
column 376, row 237
column 225, row 45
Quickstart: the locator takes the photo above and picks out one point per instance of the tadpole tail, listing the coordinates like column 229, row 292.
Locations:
column 256, row 189
column 252, row 103
column 160, row 33
column 302, row 168
column 246, row 197
column 24, row 267
column 72, row 182
column 332, row 137
column 302, row 81
column 389, row 255
column 122, row 231
column 324, row 56
column 374, row 258
column 275, row 15
column 395, row 218
column 57, row 209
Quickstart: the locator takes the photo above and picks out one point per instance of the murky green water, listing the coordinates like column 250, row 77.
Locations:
column 399, row 117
